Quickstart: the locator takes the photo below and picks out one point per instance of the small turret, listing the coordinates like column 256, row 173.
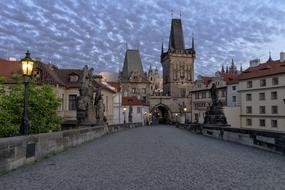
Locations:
column 150, row 70
column 269, row 59
column 156, row 71
column 193, row 43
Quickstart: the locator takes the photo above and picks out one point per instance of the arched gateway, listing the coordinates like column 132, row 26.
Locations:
column 161, row 114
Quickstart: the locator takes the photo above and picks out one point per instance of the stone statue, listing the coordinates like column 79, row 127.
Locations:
column 214, row 95
column 99, row 106
column 215, row 115
column 85, row 107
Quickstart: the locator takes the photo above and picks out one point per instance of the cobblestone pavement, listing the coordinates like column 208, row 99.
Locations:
column 157, row 157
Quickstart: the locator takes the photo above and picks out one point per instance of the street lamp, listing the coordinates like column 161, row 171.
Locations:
column 185, row 110
column 176, row 114
column 27, row 67
column 124, row 111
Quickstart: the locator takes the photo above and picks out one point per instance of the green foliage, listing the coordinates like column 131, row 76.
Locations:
column 43, row 104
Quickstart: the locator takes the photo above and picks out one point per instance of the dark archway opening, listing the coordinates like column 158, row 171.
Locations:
column 160, row 115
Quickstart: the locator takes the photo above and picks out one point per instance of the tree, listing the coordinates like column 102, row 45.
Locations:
column 43, row 105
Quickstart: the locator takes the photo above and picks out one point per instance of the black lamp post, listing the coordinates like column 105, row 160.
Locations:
column 27, row 67
column 124, row 111
column 185, row 110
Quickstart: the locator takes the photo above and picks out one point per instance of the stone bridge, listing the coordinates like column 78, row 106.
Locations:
column 156, row 157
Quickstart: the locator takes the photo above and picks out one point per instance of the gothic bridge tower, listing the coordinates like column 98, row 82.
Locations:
column 177, row 63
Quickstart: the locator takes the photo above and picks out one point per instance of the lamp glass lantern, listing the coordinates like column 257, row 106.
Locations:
column 27, row 64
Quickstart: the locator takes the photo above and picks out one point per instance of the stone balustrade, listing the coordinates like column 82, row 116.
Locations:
column 264, row 139
column 22, row 150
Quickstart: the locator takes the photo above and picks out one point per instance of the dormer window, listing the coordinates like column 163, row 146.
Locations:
column 37, row 74
column 73, row 78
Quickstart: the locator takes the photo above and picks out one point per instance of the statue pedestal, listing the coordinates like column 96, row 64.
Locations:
column 215, row 116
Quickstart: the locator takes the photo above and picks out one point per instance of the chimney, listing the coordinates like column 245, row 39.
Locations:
column 254, row 62
column 282, row 56
column 12, row 59
column 37, row 59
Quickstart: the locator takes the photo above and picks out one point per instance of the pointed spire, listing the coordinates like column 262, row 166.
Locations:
column 269, row 59
column 232, row 68
column 227, row 69
column 162, row 47
column 193, row 43
column 180, row 14
column 240, row 68
column 223, row 69
column 176, row 37
column 156, row 70
column 171, row 14
column 150, row 69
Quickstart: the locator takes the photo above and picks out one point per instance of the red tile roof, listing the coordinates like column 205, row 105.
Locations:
column 230, row 78
column 134, row 101
column 64, row 76
column 106, row 86
column 206, row 80
column 265, row 69
column 50, row 74
column 116, row 85
column 8, row 68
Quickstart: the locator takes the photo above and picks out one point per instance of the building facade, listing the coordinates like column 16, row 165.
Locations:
column 66, row 84
column 262, row 92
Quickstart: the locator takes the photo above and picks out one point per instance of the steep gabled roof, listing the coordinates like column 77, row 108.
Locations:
column 132, row 64
column 176, row 38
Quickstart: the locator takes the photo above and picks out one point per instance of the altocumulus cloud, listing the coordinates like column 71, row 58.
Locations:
column 93, row 32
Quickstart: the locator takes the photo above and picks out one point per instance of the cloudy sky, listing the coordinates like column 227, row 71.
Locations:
column 94, row 32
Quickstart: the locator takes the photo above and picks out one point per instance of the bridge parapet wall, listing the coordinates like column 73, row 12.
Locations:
column 264, row 139
column 22, row 150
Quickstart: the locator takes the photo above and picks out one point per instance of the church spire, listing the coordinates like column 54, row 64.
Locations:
column 269, row 59
column 193, row 43
column 176, row 38
column 232, row 68
column 223, row 69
